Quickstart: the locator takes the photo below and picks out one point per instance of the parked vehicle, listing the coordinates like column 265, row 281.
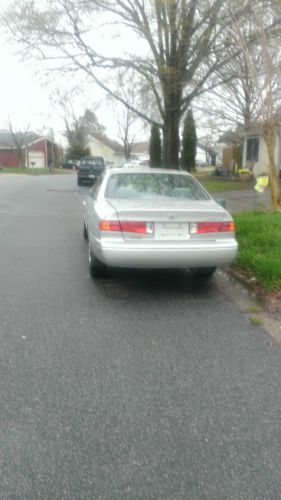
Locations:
column 156, row 218
column 70, row 164
column 90, row 169
column 135, row 163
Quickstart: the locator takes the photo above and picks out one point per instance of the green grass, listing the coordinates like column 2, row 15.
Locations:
column 255, row 320
column 254, row 309
column 214, row 185
column 35, row 171
column 259, row 239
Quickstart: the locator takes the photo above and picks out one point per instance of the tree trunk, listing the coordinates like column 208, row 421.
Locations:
column 127, row 149
column 22, row 157
column 171, row 142
column 269, row 138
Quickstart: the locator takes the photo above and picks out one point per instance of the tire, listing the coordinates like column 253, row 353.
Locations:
column 204, row 272
column 85, row 231
column 96, row 268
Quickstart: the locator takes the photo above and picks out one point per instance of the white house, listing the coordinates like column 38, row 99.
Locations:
column 111, row 150
column 141, row 150
column 255, row 150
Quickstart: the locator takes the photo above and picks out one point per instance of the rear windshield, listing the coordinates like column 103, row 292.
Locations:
column 148, row 186
column 92, row 162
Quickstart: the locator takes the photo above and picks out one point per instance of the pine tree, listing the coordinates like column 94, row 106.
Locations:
column 76, row 151
column 189, row 143
column 76, row 134
column 155, row 148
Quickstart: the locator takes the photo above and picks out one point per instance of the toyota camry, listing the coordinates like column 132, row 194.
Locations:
column 155, row 218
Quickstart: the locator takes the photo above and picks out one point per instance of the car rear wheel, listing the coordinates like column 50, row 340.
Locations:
column 96, row 268
column 205, row 272
column 85, row 231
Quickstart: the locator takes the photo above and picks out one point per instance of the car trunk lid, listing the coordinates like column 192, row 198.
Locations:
column 169, row 219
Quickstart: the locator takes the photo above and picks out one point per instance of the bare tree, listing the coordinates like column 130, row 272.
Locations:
column 127, row 121
column 18, row 141
column 75, row 128
column 234, row 102
column 78, row 125
column 265, row 79
column 182, row 41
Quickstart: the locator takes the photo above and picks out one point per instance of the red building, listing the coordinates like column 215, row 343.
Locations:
column 34, row 150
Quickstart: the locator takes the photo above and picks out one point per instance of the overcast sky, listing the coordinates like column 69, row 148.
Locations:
column 20, row 92
column 25, row 95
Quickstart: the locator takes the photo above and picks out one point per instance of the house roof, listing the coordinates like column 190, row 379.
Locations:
column 110, row 143
column 255, row 128
column 7, row 142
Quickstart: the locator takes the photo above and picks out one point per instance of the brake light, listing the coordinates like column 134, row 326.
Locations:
column 137, row 227
column 211, row 227
column 127, row 226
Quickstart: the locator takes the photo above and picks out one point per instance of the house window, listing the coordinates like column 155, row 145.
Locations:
column 253, row 149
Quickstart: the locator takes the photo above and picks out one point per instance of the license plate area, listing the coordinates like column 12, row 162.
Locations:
column 171, row 231
column 91, row 176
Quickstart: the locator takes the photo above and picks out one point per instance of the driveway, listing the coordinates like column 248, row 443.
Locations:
column 146, row 385
column 244, row 200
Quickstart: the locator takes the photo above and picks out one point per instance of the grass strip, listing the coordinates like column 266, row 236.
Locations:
column 259, row 239
column 215, row 185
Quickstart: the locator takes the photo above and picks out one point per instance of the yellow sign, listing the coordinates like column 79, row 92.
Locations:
column 262, row 182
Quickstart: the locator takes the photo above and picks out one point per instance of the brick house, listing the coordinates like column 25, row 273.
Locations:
column 38, row 151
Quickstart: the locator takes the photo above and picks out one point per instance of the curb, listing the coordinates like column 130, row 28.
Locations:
column 271, row 302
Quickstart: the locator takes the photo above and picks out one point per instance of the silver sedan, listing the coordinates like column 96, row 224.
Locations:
column 155, row 218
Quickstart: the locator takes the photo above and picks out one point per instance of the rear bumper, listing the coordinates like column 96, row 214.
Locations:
column 213, row 254
column 86, row 178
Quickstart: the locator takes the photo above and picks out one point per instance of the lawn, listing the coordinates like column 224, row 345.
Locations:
column 259, row 238
column 222, row 184
column 34, row 171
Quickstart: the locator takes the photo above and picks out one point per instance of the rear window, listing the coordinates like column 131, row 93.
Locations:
column 93, row 162
column 148, row 186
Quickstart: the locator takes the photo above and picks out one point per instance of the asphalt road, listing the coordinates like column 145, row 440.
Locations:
column 140, row 386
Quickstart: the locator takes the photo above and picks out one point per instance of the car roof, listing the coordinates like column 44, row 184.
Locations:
column 145, row 170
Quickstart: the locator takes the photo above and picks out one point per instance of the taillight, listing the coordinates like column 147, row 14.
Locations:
column 107, row 225
column 227, row 226
column 127, row 226
column 137, row 227
column 211, row 227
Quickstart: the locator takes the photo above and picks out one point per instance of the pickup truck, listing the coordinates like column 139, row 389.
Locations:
column 70, row 164
column 89, row 169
